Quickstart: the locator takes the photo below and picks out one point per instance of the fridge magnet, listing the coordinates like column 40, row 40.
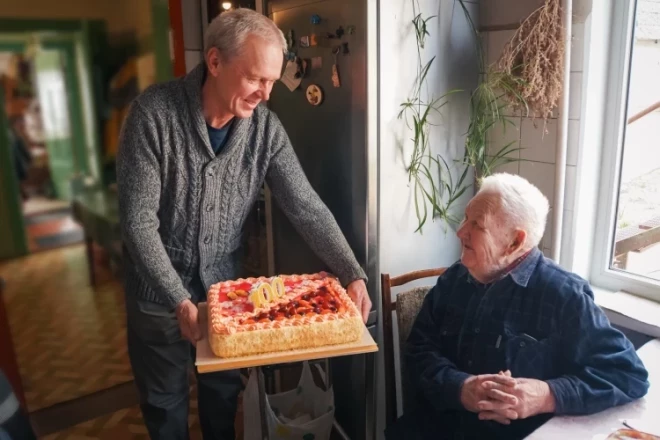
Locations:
column 314, row 94
column 304, row 41
column 350, row 29
column 344, row 47
column 317, row 62
column 315, row 19
column 339, row 32
column 289, row 77
column 335, row 69
column 313, row 40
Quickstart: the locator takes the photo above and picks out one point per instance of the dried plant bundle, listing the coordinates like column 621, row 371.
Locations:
column 535, row 55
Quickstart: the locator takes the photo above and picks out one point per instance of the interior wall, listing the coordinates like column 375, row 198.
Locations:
column 451, row 40
column 124, row 18
column 538, row 143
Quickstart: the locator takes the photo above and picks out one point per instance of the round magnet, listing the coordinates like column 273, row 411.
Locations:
column 314, row 94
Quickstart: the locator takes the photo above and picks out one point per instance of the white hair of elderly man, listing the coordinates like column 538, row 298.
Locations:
column 522, row 204
column 228, row 31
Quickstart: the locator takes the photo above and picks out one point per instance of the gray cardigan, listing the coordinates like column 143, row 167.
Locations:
column 182, row 208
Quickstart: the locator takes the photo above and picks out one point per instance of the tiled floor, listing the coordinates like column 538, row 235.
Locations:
column 69, row 337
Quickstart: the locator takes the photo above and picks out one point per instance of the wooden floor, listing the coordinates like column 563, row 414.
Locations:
column 125, row 424
column 69, row 337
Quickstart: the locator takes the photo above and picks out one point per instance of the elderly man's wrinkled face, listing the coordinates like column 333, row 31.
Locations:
column 245, row 80
column 484, row 238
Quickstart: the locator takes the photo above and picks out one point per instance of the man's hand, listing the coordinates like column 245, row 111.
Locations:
column 186, row 314
column 531, row 397
column 357, row 290
column 474, row 393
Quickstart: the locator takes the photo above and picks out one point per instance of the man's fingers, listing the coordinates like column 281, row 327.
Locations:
column 501, row 379
column 502, row 396
column 366, row 308
column 493, row 405
column 490, row 415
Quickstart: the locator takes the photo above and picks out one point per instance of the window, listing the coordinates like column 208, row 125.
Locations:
column 627, row 249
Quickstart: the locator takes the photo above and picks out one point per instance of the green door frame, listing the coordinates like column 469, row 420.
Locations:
column 13, row 241
column 80, row 153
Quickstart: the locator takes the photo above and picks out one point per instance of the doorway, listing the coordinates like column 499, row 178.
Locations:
column 39, row 109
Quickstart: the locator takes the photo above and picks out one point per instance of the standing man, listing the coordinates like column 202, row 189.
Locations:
column 194, row 153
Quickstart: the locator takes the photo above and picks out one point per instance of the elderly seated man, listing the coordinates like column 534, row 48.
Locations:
column 507, row 338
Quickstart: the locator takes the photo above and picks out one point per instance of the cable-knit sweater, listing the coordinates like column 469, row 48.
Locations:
column 182, row 208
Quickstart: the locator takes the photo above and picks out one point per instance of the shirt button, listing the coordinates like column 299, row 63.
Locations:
column 469, row 363
column 209, row 208
column 444, row 332
column 207, row 239
column 522, row 343
column 476, row 330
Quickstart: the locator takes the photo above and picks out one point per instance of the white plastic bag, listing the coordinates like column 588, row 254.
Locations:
column 304, row 413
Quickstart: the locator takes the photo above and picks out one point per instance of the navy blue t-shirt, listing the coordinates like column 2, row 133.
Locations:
column 218, row 136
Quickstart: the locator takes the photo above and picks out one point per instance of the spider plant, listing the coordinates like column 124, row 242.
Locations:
column 435, row 191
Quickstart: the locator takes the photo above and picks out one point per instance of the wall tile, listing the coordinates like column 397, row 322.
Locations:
column 566, row 256
column 575, row 98
column 573, row 142
column 546, row 241
column 496, row 40
column 511, row 168
column 577, row 48
column 542, row 175
column 570, row 187
column 538, row 140
column 498, row 12
column 503, row 134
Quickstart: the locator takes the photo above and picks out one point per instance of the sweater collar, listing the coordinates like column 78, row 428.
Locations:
column 194, row 81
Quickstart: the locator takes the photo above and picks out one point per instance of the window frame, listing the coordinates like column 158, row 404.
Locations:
column 615, row 117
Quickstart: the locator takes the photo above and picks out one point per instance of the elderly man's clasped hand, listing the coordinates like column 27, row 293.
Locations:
column 502, row 398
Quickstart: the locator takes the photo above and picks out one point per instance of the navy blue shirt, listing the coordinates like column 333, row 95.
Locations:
column 540, row 322
column 218, row 136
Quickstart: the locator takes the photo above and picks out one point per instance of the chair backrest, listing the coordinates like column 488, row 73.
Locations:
column 407, row 305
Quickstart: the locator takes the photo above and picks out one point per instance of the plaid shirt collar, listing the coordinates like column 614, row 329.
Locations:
column 519, row 270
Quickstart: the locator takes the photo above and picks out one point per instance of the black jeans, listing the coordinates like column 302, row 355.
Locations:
column 160, row 360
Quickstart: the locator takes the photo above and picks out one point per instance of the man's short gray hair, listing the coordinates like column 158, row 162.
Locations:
column 522, row 204
column 228, row 31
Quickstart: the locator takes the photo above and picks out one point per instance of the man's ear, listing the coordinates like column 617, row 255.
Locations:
column 519, row 238
column 214, row 61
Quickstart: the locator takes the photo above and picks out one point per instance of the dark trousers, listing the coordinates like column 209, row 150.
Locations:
column 160, row 360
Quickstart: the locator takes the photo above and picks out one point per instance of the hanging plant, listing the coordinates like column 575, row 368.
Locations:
column 434, row 189
column 535, row 56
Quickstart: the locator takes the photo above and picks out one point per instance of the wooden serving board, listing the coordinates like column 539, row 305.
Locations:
column 207, row 362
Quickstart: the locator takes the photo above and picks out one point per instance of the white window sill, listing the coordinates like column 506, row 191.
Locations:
column 629, row 311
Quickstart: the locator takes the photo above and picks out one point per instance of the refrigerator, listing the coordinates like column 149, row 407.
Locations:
column 331, row 142
column 336, row 143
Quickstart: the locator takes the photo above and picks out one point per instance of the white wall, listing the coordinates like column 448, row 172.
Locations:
column 400, row 248
column 538, row 154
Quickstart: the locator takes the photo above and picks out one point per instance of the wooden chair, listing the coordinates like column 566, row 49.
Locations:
column 407, row 306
